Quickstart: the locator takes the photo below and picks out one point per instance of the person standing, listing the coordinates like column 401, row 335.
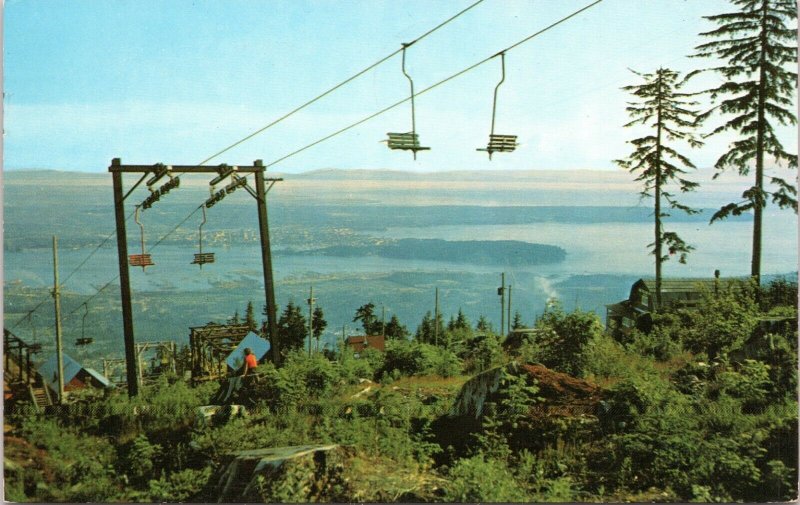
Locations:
column 250, row 362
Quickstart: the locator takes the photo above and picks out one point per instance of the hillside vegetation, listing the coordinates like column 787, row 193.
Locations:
column 703, row 408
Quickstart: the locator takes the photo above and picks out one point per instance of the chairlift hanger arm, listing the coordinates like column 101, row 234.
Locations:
column 502, row 55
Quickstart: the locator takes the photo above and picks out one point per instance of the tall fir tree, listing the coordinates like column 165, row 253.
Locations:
column 369, row 321
column 319, row 323
column 396, row 330
column 292, row 328
column 424, row 332
column 759, row 48
column 517, row 323
column 459, row 322
column 250, row 317
column 658, row 165
column 483, row 325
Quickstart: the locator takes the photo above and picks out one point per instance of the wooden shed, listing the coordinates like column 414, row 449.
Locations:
column 360, row 342
column 636, row 311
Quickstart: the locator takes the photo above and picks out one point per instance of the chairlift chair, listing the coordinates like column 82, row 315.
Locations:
column 84, row 340
column 140, row 260
column 499, row 143
column 201, row 258
column 408, row 141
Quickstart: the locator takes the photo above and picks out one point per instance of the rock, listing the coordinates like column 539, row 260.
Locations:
column 558, row 396
column 284, row 474
column 215, row 415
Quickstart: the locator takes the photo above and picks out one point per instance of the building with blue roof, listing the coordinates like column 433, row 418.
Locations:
column 76, row 376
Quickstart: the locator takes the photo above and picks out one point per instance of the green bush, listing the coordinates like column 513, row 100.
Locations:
column 478, row 479
column 179, row 486
column 605, row 358
column 723, row 322
column 80, row 467
column 564, row 338
column 480, row 352
column 413, row 358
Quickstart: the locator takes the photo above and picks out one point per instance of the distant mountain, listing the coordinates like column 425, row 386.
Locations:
column 565, row 176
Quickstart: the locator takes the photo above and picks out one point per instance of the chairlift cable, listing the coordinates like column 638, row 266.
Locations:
column 149, row 249
column 73, row 272
column 334, row 88
column 433, row 86
column 346, row 128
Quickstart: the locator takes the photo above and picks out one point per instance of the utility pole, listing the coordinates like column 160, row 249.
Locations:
column 57, row 298
column 509, row 309
column 501, row 292
column 436, row 319
column 310, row 319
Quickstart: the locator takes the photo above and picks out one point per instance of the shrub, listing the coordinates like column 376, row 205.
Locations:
column 413, row 358
column 479, row 353
column 723, row 322
column 477, row 479
column 562, row 347
column 179, row 486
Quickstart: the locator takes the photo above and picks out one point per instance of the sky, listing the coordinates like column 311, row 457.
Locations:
column 175, row 82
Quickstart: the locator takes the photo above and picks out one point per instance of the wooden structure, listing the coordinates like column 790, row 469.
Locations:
column 636, row 312
column 211, row 345
column 76, row 376
column 17, row 365
column 161, row 359
column 21, row 381
column 114, row 369
column 360, row 342
column 155, row 173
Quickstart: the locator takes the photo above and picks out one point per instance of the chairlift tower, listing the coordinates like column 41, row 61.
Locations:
column 157, row 172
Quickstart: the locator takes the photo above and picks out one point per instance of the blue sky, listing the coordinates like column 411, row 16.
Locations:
column 174, row 82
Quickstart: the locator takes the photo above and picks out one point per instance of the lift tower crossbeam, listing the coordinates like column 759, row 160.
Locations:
column 117, row 169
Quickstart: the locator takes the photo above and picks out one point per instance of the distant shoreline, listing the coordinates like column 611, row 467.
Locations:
column 479, row 252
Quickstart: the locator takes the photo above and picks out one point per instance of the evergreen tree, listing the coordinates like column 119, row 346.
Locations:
column 656, row 163
column 424, row 332
column 319, row 323
column 250, row 317
column 460, row 322
column 293, row 328
column 234, row 319
column 366, row 314
column 759, row 50
column 483, row 324
column 517, row 324
column 395, row 330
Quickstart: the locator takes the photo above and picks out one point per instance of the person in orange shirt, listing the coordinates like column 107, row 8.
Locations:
column 249, row 361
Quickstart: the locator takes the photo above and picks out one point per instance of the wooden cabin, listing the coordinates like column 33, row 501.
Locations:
column 76, row 376
column 636, row 311
column 360, row 342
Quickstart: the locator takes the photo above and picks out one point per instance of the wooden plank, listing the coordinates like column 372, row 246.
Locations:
column 141, row 260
